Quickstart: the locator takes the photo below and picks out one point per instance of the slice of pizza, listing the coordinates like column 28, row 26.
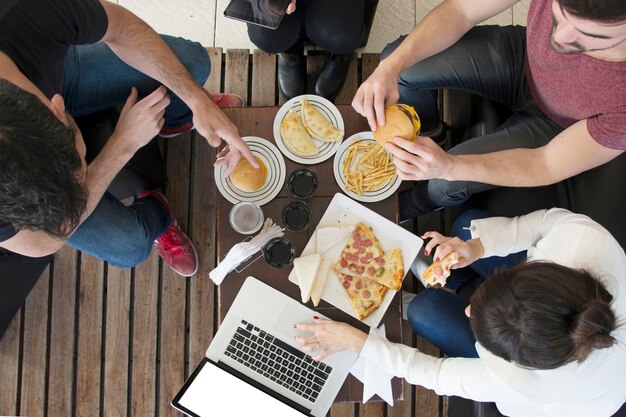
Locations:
column 387, row 270
column 362, row 247
column 364, row 295
column 437, row 273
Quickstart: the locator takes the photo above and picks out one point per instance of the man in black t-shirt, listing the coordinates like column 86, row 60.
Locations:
column 67, row 58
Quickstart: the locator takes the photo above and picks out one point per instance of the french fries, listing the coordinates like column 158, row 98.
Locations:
column 367, row 167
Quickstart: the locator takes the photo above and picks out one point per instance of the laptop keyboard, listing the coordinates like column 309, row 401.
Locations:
column 278, row 361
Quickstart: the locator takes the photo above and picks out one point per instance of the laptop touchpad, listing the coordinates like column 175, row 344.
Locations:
column 294, row 315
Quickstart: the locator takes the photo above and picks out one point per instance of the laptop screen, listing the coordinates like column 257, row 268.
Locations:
column 215, row 392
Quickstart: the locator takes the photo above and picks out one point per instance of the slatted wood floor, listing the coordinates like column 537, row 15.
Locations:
column 95, row 340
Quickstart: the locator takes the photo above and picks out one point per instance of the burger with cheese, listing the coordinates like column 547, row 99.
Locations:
column 400, row 120
column 247, row 178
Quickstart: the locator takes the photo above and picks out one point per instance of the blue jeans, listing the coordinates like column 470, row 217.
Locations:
column 488, row 61
column 96, row 79
column 438, row 315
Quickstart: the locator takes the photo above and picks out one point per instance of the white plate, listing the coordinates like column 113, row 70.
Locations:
column 343, row 211
column 367, row 196
column 328, row 109
column 276, row 172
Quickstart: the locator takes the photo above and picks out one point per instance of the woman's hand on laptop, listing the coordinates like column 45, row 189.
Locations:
column 330, row 337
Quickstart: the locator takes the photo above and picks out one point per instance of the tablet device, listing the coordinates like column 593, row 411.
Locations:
column 266, row 13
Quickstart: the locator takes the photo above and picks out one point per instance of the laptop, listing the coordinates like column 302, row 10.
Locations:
column 254, row 365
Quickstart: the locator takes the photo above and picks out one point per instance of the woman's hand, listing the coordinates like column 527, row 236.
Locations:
column 330, row 337
column 469, row 251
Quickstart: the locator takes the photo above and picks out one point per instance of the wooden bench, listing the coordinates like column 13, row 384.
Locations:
column 95, row 340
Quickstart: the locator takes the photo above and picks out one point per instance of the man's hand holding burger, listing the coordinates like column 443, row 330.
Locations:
column 422, row 159
column 416, row 157
column 378, row 91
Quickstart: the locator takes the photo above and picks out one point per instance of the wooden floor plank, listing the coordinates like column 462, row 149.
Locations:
column 117, row 332
column 263, row 78
column 342, row 410
column 351, row 84
column 62, row 328
column 89, row 337
column 35, row 348
column 214, row 82
column 236, row 74
column 369, row 62
column 371, row 409
column 9, row 367
column 144, row 338
column 314, row 63
column 203, row 227
column 426, row 401
column 174, row 287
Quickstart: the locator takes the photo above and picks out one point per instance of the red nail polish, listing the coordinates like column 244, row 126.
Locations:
column 315, row 318
column 426, row 252
column 437, row 260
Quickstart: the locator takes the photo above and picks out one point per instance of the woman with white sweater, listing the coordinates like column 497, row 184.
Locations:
column 546, row 333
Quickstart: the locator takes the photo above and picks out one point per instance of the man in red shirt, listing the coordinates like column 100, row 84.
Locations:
column 564, row 78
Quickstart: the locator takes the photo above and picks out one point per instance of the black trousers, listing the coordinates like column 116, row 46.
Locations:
column 334, row 25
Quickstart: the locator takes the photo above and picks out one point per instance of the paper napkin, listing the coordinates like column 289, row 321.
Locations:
column 375, row 379
column 242, row 251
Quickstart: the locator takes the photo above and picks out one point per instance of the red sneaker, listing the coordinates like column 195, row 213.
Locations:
column 174, row 246
column 222, row 100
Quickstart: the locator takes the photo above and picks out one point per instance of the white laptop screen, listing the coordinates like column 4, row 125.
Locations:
column 215, row 392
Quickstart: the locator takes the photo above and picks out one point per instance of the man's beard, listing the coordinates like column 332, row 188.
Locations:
column 570, row 48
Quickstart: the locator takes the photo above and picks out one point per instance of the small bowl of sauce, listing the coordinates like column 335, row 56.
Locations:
column 279, row 252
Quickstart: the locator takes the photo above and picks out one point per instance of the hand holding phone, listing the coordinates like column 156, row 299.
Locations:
column 266, row 13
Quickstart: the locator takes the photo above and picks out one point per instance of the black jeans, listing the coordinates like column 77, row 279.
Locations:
column 487, row 61
column 335, row 26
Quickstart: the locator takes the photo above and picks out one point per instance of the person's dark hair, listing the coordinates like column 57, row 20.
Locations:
column 40, row 188
column 606, row 11
column 542, row 315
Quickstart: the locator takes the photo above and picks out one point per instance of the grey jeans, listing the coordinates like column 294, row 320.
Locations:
column 487, row 61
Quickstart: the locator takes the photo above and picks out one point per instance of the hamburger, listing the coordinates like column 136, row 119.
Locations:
column 400, row 120
column 247, row 178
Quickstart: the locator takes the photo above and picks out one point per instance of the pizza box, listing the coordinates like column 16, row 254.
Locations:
column 343, row 211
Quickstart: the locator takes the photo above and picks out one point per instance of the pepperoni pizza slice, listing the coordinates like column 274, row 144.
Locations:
column 362, row 247
column 437, row 273
column 364, row 295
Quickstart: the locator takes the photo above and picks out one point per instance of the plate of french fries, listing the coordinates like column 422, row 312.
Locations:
column 364, row 170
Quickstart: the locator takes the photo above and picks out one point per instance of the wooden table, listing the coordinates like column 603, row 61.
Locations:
column 258, row 122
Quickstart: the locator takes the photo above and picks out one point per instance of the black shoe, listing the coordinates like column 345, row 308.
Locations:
column 333, row 76
column 291, row 74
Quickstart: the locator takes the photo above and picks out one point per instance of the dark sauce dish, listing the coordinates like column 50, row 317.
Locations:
column 279, row 252
column 297, row 216
column 302, row 183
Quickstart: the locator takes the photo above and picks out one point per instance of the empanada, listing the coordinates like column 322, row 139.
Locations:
column 317, row 125
column 295, row 136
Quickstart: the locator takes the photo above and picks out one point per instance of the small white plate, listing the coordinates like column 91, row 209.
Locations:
column 328, row 109
column 367, row 196
column 276, row 172
column 343, row 211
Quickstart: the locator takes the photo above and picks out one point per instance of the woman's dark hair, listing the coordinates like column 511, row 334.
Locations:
column 606, row 11
column 542, row 315
column 40, row 188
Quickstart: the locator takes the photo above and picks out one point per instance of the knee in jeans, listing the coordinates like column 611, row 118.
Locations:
column 422, row 310
column 133, row 253
column 193, row 55
column 447, row 193
column 335, row 39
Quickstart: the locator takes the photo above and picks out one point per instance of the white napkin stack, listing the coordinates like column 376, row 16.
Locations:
column 242, row 251
column 375, row 379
